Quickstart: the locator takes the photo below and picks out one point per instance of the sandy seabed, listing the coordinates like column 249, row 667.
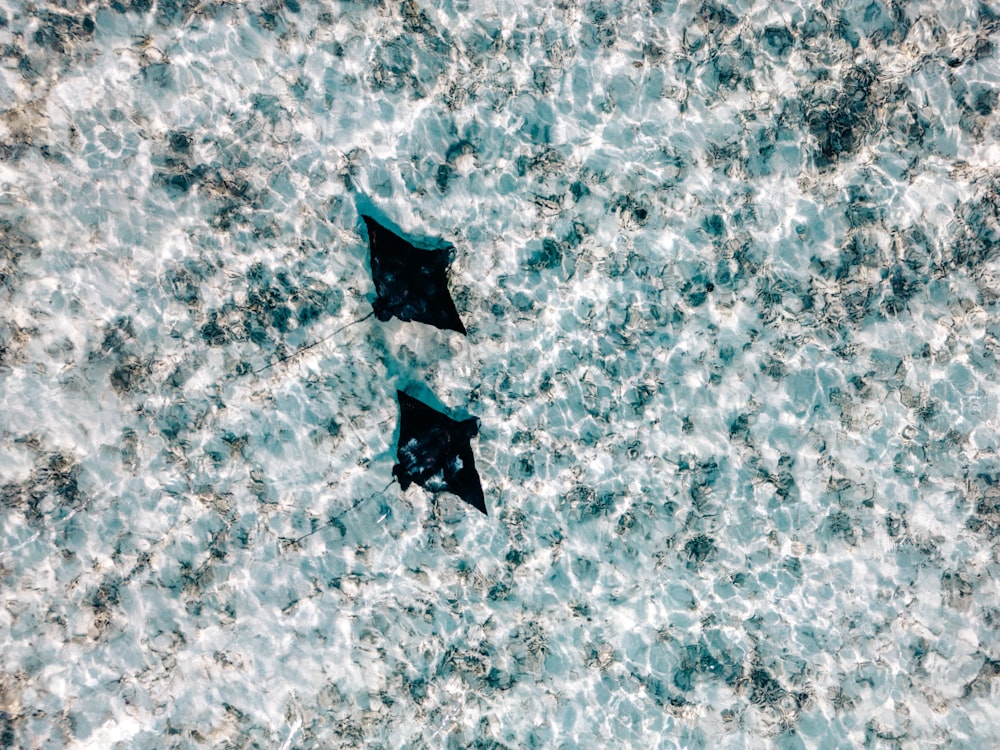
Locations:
column 730, row 274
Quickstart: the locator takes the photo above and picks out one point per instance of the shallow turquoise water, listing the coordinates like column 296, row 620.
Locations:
column 730, row 279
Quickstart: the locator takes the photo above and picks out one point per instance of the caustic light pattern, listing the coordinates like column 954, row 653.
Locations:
column 727, row 274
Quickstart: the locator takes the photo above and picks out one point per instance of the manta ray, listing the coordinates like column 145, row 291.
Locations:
column 434, row 451
column 410, row 283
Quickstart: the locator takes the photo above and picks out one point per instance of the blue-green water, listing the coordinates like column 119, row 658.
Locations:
column 730, row 275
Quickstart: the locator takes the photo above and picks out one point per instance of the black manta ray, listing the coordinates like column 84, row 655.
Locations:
column 434, row 451
column 410, row 283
